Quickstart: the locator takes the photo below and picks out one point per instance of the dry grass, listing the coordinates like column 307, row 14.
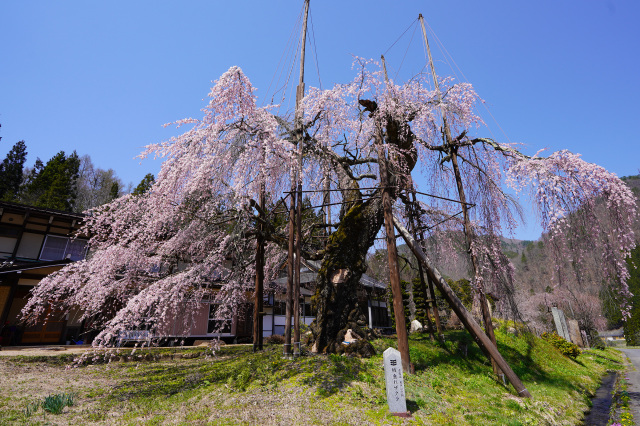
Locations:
column 451, row 387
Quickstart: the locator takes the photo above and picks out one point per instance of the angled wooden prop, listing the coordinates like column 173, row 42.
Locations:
column 470, row 324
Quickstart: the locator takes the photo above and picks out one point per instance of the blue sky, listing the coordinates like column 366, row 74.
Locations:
column 102, row 77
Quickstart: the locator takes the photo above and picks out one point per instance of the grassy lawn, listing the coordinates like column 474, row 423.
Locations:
column 453, row 385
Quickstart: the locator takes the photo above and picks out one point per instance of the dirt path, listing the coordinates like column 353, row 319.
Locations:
column 634, row 381
column 43, row 350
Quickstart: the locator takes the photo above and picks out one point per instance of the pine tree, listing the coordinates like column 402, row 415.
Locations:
column 11, row 171
column 52, row 185
column 405, row 304
column 114, row 191
column 419, row 292
column 145, row 184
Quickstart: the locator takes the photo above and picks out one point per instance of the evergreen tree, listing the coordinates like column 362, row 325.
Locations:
column 523, row 260
column 632, row 325
column 145, row 184
column 419, row 291
column 52, row 185
column 114, row 191
column 11, row 171
column 462, row 289
column 405, row 304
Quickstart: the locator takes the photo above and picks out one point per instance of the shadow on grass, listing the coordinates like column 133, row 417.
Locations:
column 530, row 362
column 458, row 349
column 551, row 374
column 335, row 373
column 412, row 406
column 238, row 369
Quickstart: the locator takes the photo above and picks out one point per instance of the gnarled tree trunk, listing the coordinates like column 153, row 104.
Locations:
column 344, row 261
column 336, row 298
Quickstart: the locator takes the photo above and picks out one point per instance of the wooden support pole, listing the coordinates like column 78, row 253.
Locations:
column 296, row 282
column 429, row 284
column 326, row 208
column 436, row 313
column 466, row 318
column 468, row 230
column 290, row 274
column 258, row 301
column 421, row 275
column 298, row 194
column 394, row 271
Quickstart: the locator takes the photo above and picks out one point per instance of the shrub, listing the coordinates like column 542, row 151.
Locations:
column 566, row 348
column 598, row 343
column 275, row 339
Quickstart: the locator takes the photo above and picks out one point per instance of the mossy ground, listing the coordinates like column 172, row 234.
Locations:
column 453, row 385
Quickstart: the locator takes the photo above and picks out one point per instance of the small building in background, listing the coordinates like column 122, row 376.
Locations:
column 35, row 242
column 206, row 325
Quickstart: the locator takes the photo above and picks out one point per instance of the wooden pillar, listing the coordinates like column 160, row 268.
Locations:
column 298, row 189
column 296, row 282
column 436, row 314
column 12, row 280
column 425, row 292
column 430, row 295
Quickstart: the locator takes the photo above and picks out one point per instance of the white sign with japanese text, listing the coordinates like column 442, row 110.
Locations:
column 395, row 381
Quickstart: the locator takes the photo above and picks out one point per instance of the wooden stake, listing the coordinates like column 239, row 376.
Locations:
column 466, row 318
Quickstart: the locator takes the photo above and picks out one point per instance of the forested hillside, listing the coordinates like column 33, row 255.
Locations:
column 577, row 286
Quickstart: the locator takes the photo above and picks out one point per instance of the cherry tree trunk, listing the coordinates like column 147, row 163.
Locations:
column 338, row 280
column 344, row 262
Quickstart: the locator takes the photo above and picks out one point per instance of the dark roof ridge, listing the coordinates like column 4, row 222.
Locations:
column 42, row 210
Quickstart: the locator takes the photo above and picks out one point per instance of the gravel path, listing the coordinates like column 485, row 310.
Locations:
column 634, row 381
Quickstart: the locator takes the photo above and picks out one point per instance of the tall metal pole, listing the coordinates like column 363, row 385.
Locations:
column 468, row 231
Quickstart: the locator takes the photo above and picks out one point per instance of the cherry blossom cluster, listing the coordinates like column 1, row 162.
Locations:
column 584, row 208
